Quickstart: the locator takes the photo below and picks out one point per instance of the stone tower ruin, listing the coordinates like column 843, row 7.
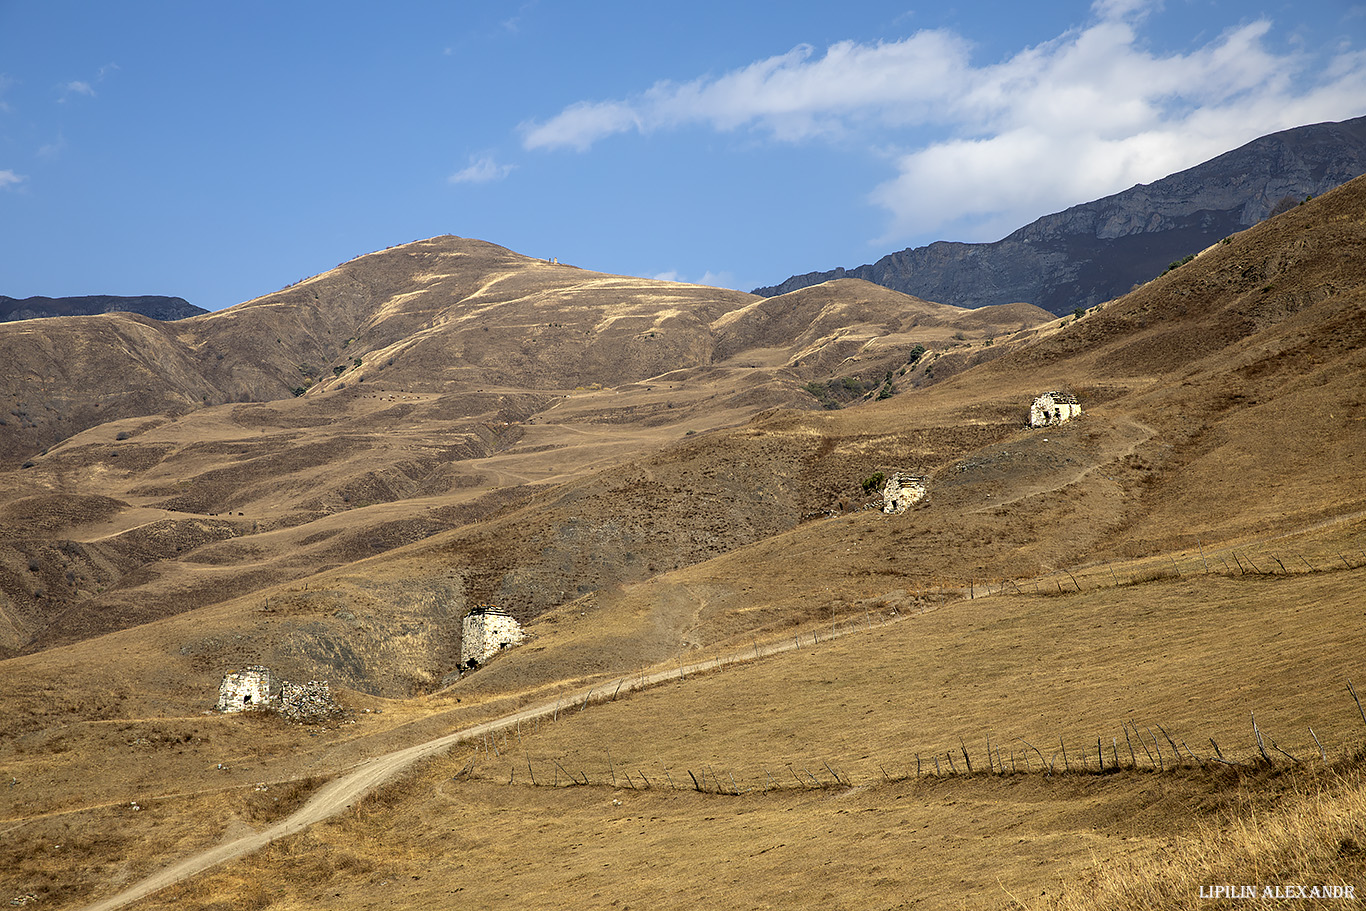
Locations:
column 485, row 632
column 249, row 688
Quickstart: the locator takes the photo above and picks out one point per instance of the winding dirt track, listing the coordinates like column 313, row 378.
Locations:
column 343, row 792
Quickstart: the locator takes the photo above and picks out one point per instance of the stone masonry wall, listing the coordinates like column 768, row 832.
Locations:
column 248, row 688
column 484, row 633
column 901, row 492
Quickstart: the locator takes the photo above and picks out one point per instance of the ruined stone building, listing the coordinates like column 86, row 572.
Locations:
column 249, row 688
column 486, row 631
column 1053, row 408
column 901, row 492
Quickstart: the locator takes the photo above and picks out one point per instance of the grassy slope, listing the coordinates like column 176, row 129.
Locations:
column 1137, row 475
column 1035, row 668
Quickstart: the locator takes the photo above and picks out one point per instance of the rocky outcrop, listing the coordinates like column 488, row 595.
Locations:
column 1097, row 251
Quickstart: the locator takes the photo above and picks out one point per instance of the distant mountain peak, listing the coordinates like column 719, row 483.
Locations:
column 154, row 306
column 1097, row 251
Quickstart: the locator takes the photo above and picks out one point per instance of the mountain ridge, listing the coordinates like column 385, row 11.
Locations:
column 1096, row 251
column 158, row 307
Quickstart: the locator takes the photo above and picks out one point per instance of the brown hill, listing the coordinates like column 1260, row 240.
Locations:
column 1170, row 555
column 435, row 381
column 340, row 474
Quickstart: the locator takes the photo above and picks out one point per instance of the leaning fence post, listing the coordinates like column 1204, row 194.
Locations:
column 1031, row 746
column 1144, row 744
column 1323, row 755
column 1172, row 742
column 1157, row 746
column 1279, row 750
column 1258, row 734
column 1353, row 691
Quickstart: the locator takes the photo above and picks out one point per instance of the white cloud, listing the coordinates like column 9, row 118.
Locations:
column 76, row 87
column 795, row 95
column 1091, row 114
column 9, row 179
column 983, row 149
column 721, row 279
column 82, row 87
column 1123, row 9
column 54, row 148
column 482, row 169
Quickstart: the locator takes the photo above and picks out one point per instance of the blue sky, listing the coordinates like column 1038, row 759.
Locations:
column 219, row 152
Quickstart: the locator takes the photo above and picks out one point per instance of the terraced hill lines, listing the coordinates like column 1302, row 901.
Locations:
column 653, row 476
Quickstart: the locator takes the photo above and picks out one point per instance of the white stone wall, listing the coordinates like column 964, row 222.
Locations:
column 248, row 688
column 1050, row 408
column 901, row 492
column 484, row 633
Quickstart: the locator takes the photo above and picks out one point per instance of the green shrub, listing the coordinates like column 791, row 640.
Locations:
column 873, row 482
column 1179, row 263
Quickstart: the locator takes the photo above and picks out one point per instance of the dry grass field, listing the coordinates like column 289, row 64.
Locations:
column 1034, row 690
column 792, row 779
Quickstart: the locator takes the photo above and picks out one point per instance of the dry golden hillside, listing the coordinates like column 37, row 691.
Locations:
column 1109, row 600
column 438, row 383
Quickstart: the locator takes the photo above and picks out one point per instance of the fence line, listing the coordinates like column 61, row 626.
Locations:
column 1154, row 569
column 1164, row 755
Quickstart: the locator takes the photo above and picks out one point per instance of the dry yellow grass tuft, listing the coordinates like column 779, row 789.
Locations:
column 1294, row 844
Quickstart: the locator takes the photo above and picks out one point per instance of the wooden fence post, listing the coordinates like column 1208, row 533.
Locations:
column 1353, row 691
column 1258, row 734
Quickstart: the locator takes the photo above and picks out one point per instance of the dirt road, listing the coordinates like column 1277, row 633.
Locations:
column 343, row 792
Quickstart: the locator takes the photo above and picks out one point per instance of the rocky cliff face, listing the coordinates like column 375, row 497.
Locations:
column 1099, row 250
column 154, row 306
